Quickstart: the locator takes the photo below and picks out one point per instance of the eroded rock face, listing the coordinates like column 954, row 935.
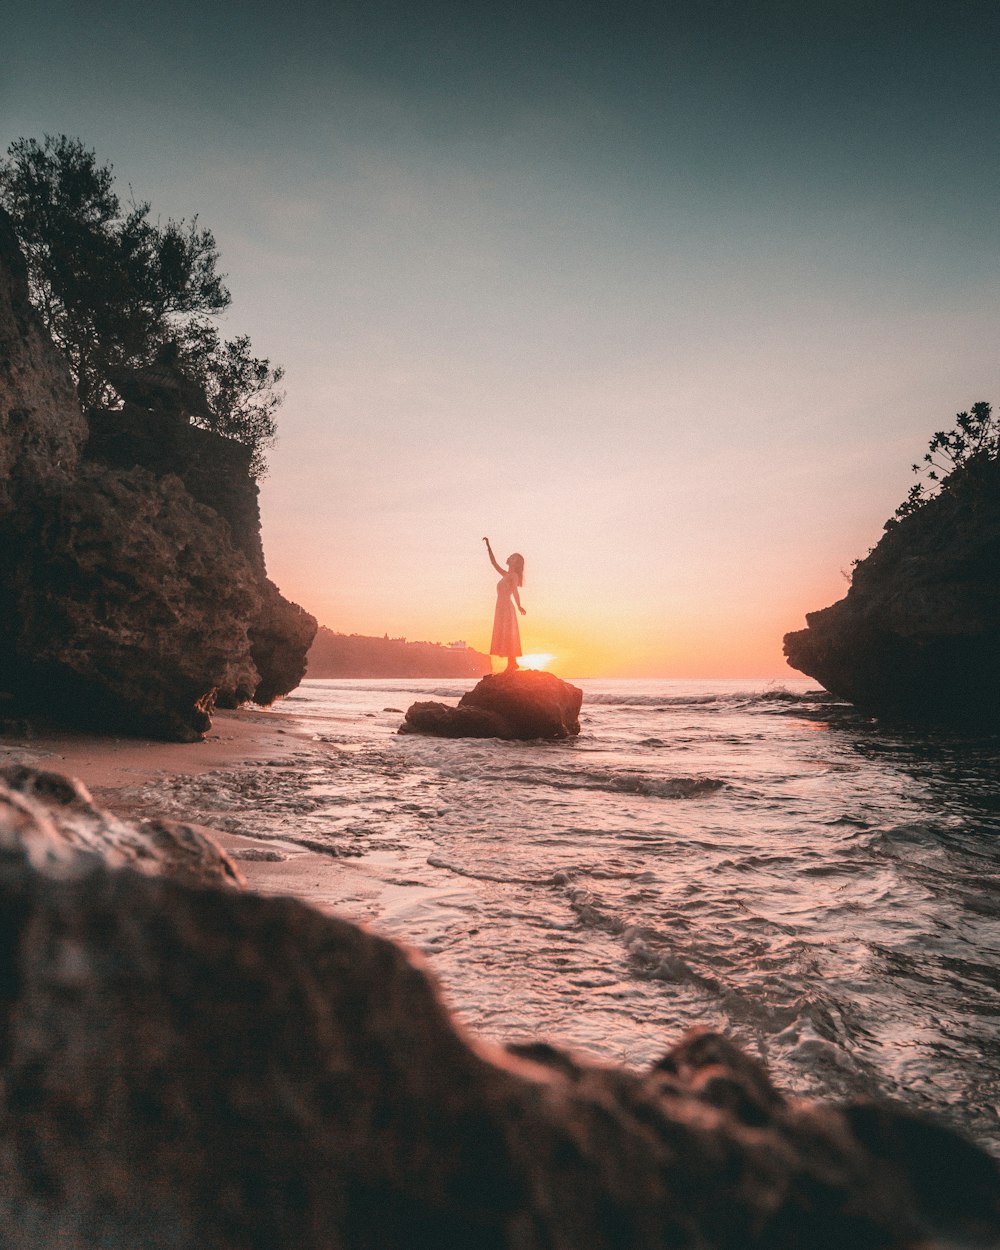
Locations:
column 41, row 426
column 215, row 471
column 133, row 593
column 203, row 1069
column 519, row 705
column 918, row 634
column 129, row 603
column 281, row 634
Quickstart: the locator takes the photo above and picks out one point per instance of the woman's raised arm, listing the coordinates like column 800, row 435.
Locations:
column 493, row 559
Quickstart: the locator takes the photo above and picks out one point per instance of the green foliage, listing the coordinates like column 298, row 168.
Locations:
column 974, row 439
column 114, row 287
column 241, row 390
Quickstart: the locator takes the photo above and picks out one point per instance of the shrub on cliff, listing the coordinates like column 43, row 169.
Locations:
column 952, row 457
column 115, row 287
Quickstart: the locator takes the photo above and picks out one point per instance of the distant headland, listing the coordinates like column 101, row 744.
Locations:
column 355, row 655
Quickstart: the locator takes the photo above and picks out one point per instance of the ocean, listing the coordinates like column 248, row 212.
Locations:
column 752, row 856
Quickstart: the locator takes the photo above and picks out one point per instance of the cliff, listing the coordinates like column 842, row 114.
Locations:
column 354, row 655
column 133, row 593
column 918, row 634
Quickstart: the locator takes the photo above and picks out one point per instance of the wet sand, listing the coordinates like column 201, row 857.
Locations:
column 112, row 768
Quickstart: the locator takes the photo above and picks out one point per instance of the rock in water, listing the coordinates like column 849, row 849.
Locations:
column 537, row 705
column 523, row 704
column 918, row 634
column 444, row 721
column 133, row 593
column 198, row 1068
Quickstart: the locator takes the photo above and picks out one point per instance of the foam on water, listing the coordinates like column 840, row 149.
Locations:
column 749, row 856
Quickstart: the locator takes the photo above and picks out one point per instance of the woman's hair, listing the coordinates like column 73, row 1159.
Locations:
column 515, row 563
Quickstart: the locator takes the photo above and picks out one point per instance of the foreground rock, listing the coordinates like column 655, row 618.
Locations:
column 52, row 820
column 133, row 593
column 522, row 704
column 918, row 634
column 205, row 1069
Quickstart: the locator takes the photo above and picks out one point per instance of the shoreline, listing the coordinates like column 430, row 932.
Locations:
column 105, row 762
column 110, row 765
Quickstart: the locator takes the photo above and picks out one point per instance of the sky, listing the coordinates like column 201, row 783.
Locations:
column 667, row 297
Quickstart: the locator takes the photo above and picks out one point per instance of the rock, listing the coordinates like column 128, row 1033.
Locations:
column 537, row 705
column 198, row 1068
column 53, row 819
column 41, row 426
column 127, row 606
column 280, row 636
column 523, row 705
column 215, row 470
column 918, row 634
column 445, row 721
column 133, row 592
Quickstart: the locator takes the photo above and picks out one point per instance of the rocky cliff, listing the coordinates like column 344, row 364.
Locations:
column 133, row 593
column 918, row 634
column 188, row 1066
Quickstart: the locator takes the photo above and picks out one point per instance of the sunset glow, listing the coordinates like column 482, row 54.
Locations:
column 680, row 357
column 539, row 660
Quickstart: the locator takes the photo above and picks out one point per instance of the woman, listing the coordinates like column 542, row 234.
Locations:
column 506, row 635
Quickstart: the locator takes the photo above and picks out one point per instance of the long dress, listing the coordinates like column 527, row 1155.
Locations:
column 506, row 634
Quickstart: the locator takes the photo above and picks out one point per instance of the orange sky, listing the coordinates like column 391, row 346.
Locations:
column 667, row 298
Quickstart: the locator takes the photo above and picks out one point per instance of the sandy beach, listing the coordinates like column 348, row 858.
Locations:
column 114, row 768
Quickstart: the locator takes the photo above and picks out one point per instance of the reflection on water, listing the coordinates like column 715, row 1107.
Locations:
column 755, row 858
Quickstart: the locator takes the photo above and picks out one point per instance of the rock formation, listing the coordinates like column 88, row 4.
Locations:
column 41, row 425
column 918, row 634
column 280, row 635
column 215, row 471
column 199, row 1068
column 133, row 592
column 522, row 704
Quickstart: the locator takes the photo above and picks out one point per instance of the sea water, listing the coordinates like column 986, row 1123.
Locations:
column 751, row 856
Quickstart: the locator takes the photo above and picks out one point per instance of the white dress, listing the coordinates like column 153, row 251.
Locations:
column 506, row 634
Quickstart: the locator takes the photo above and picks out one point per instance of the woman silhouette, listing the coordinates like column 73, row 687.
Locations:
column 506, row 639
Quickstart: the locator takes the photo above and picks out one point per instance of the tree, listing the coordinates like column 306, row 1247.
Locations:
column 241, row 390
column 974, row 439
column 114, row 287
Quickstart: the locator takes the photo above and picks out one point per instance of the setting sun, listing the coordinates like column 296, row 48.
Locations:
column 540, row 659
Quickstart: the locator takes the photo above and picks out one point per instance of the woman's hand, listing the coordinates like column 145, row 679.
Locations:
column 524, row 611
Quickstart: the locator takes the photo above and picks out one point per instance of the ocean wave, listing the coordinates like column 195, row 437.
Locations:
column 624, row 782
column 663, row 787
column 731, row 700
column 652, row 700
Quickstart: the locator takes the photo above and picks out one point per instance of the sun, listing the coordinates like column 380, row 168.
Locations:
column 540, row 659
